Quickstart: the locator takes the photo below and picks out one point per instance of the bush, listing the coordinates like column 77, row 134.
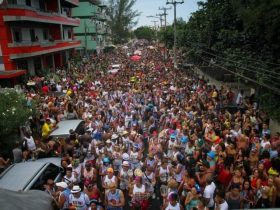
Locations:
column 14, row 110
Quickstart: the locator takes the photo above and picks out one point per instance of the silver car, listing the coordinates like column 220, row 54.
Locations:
column 31, row 175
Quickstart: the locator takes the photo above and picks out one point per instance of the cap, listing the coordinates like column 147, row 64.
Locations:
column 108, row 141
column 138, row 178
column 115, row 136
column 124, row 133
column 172, row 196
column 110, row 170
column 76, row 189
column 184, row 139
column 61, row 184
column 211, row 154
column 125, row 156
column 173, row 136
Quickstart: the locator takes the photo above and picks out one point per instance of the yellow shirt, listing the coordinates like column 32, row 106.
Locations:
column 46, row 129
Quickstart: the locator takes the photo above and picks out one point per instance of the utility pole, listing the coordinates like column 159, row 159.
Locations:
column 154, row 21
column 160, row 19
column 174, row 3
column 165, row 38
column 86, row 29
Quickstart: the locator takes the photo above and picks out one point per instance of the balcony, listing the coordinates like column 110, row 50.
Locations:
column 18, row 13
column 30, row 49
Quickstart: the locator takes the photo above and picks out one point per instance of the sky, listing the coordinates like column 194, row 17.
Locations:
column 150, row 7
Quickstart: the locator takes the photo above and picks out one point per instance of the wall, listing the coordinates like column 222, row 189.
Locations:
column 31, row 69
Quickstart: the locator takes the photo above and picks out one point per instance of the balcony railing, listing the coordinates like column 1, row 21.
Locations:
column 45, row 43
column 37, row 13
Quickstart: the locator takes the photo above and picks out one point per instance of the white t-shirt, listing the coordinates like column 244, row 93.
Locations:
column 30, row 143
column 222, row 206
column 80, row 203
column 209, row 193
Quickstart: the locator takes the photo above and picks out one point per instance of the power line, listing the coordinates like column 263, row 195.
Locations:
column 232, row 61
column 276, row 90
column 268, row 79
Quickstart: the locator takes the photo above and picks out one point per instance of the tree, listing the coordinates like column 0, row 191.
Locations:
column 242, row 36
column 122, row 19
column 14, row 111
column 145, row 32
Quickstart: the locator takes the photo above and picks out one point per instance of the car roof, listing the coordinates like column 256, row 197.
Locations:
column 18, row 175
column 64, row 127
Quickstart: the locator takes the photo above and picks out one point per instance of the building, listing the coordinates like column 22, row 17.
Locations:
column 93, row 32
column 36, row 35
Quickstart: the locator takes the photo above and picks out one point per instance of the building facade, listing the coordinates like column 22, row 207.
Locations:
column 93, row 32
column 36, row 35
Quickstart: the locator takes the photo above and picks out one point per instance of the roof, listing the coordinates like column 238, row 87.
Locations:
column 31, row 200
column 11, row 73
column 18, row 175
column 64, row 127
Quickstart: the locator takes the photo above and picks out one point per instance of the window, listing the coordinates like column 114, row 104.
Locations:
column 28, row 2
column 69, row 34
column 46, row 34
column 32, row 35
column 42, row 5
column 51, row 172
column 17, row 35
column 22, row 64
column 12, row 1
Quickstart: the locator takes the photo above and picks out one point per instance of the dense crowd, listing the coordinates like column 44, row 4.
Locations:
column 152, row 134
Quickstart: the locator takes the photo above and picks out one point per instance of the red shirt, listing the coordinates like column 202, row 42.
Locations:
column 224, row 177
column 45, row 89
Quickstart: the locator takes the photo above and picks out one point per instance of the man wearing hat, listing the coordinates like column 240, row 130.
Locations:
column 124, row 176
column 171, row 143
column 63, row 196
column 211, row 160
column 78, row 199
column 109, row 179
column 150, row 161
column 114, row 198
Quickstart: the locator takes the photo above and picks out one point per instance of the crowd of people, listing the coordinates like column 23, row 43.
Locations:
column 154, row 137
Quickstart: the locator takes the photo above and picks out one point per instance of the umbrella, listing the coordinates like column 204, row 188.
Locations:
column 135, row 58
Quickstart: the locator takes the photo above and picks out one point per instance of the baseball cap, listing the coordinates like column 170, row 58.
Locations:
column 110, row 170
column 61, row 184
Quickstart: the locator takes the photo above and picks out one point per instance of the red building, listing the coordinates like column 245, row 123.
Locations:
column 35, row 35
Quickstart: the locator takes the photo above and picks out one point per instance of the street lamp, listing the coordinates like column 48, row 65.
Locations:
column 174, row 3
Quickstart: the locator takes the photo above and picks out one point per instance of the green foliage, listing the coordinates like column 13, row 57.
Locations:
column 243, row 36
column 14, row 111
column 122, row 19
column 145, row 32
